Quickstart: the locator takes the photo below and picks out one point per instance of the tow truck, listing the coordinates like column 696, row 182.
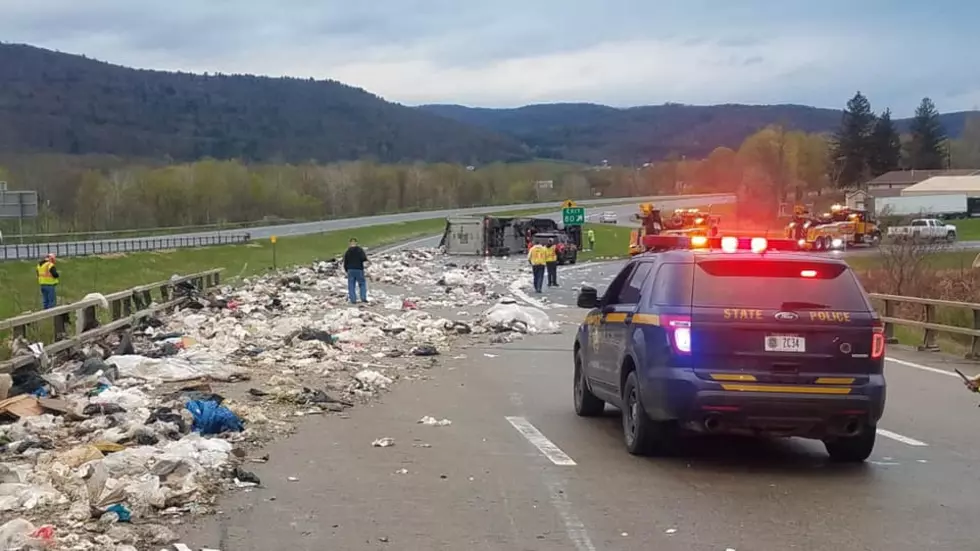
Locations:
column 728, row 336
column 840, row 228
column 690, row 222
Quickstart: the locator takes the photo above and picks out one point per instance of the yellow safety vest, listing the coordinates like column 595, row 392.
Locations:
column 538, row 255
column 591, row 235
column 44, row 276
column 552, row 254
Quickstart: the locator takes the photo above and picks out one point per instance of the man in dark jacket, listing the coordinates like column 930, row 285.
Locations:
column 354, row 260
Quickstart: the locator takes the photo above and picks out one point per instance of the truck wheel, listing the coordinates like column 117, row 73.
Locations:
column 852, row 449
column 586, row 403
column 573, row 260
column 951, row 236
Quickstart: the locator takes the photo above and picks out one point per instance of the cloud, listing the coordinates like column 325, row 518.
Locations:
column 510, row 52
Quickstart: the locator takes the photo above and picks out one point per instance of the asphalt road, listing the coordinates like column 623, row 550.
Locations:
column 82, row 248
column 518, row 470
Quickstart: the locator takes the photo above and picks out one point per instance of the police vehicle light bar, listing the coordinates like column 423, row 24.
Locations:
column 728, row 244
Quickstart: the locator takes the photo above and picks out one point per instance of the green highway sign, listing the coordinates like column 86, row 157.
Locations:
column 574, row 216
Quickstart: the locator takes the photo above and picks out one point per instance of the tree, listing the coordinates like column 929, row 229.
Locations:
column 965, row 152
column 928, row 149
column 885, row 152
column 852, row 143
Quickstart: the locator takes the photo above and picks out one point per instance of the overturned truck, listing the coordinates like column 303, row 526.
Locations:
column 492, row 235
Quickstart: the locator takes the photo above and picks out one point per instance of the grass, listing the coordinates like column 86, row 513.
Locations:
column 968, row 229
column 80, row 276
column 611, row 241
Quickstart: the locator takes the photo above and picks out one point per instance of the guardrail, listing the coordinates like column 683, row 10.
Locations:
column 78, row 322
column 32, row 251
column 931, row 327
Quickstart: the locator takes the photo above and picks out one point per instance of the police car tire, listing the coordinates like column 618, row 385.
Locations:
column 643, row 440
column 586, row 403
column 854, row 449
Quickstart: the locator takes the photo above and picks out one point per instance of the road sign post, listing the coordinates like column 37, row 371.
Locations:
column 573, row 216
column 273, row 239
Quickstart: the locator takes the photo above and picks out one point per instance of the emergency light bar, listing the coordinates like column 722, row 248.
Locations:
column 728, row 244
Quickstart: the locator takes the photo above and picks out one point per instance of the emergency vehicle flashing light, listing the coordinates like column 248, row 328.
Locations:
column 728, row 244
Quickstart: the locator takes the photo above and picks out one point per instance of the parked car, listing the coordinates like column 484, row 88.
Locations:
column 567, row 251
column 607, row 217
column 924, row 228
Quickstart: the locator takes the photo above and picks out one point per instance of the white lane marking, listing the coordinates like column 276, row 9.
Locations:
column 540, row 441
column 574, row 526
column 903, row 439
column 401, row 246
column 923, row 367
column 181, row 547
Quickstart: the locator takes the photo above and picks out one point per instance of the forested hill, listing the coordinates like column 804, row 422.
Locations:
column 590, row 132
column 63, row 103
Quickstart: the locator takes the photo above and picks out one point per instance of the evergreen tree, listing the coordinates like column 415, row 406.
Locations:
column 886, row 146
column 928, row 148
column 852, row 143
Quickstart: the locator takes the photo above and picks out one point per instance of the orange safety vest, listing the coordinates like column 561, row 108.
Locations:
column 44, row 276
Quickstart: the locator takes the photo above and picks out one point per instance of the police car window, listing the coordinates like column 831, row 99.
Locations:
column 611, row 296
column 672, row 285
column 634, row 286
column 771, row 283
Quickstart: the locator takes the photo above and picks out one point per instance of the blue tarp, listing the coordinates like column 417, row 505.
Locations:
column 212, row 418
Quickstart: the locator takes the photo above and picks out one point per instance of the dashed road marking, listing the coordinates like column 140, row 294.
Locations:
column 923, row 367
column 574, row 527
column 903, row 439
column 540, row 441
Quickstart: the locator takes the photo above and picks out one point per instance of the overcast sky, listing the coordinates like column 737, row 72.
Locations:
column 504, row 53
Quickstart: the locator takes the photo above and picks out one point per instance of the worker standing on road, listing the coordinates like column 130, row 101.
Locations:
column 354, row 260
column 552, row 264
column 591, row 235
column 47, row 279
column 538, row 257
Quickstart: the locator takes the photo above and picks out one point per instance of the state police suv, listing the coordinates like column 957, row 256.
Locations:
column 729, row 336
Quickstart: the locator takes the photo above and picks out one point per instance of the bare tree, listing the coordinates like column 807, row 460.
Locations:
column 906, row 261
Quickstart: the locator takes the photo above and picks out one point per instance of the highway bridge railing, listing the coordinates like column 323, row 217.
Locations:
column 927, row 310
column 77, row 323
column 35, row 251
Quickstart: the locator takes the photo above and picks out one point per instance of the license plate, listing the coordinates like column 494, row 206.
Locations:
column 785, row 343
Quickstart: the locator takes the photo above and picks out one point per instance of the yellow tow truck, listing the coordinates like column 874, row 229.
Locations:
column 835, row 230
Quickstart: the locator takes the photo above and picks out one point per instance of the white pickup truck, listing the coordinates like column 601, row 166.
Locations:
column 924, row 228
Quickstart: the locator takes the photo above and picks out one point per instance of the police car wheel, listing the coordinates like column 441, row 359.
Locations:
column 586, row 403
column 853, row 449
column 639, row 431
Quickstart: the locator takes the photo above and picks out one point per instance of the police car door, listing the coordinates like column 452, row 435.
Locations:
column 617, row 314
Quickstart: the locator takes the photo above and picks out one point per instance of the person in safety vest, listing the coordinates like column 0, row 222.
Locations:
column 591, row 235
column 552, row 264
column 47, row 279
column 538, row 257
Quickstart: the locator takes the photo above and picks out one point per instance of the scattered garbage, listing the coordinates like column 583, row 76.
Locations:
column 433, row 422
column 103, row 442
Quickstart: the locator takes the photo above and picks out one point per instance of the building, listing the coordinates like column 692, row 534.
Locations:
column 945, row 185
column 891, row 184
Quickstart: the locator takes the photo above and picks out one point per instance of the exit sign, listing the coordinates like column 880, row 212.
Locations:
column 574, row 216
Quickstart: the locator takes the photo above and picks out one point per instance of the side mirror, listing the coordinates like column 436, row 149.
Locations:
column 588, row 297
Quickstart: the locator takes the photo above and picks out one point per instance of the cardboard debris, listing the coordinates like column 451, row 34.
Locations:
column 21, row 406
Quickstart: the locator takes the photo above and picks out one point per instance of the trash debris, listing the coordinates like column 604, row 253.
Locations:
column 146, row 423
column 432, row 421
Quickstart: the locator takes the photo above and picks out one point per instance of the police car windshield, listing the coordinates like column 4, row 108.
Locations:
column 773, row 284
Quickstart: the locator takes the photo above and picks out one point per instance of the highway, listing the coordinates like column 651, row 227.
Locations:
column 518, row 470
column 83, row 248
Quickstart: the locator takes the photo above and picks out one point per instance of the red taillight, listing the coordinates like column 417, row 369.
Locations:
column 759, row 244
column 808, row 273
column 678, row 333
column 878, row 340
